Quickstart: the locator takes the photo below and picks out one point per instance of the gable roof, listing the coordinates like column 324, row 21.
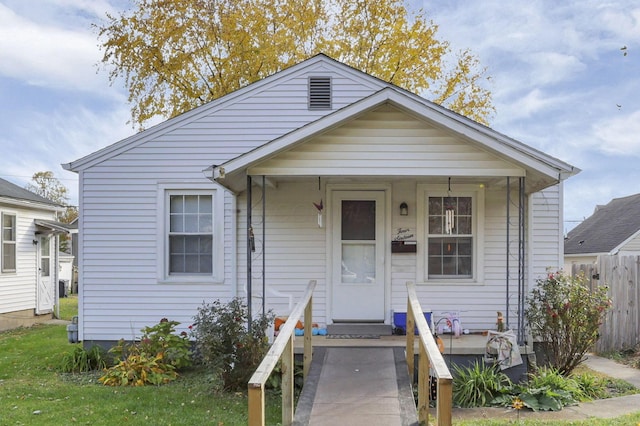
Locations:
column 542, row 169
column 216, row 105
column 11, row 192
column 607, row 228
column 549, row 169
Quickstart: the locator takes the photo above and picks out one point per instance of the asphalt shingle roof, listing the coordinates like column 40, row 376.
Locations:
column 10, row 190
column 606, row 228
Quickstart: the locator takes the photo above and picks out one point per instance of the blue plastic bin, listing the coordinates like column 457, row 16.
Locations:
column 400, row 320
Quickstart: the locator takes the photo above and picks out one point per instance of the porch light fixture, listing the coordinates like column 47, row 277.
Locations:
column 404, row 209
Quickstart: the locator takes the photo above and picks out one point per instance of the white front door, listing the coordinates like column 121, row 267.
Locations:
column 358, row 256
column 46, row 296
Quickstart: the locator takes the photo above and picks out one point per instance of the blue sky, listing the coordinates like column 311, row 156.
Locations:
column 561, row 84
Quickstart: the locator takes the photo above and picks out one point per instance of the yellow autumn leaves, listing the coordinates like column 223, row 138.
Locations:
column 178, row 54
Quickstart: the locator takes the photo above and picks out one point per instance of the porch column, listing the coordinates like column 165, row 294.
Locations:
column 521, row 292
column 250, row 242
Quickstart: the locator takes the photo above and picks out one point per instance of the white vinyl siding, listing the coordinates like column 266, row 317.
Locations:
column 388, row 142
column 18, row 288
column 294, row 247
column 123, row 286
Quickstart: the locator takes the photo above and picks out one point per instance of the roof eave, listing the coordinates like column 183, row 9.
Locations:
column 554, row 169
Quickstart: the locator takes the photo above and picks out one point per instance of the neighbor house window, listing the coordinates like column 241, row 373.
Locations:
column 190, row 237
column 450, row 234
column 8, row 242
column 450, row 237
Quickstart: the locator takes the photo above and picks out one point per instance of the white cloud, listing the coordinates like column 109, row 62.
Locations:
column 48, row 54
column 45, row 140
column 619, row 135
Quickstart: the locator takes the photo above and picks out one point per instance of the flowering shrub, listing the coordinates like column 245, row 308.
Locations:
column 565, row 315
column 223, row 342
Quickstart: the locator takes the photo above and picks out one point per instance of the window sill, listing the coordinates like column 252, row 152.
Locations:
column 442, row 282
column 186, row 280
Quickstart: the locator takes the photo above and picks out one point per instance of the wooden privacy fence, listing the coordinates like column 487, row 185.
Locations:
column 621, row 326
column 430, row 360
column 282, row 348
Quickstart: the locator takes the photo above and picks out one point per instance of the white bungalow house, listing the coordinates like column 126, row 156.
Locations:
column 319, row 172
column 28, row 252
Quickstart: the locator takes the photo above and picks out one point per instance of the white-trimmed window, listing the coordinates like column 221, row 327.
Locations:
column 192, row 235
column 8, row 242
column 450, row 246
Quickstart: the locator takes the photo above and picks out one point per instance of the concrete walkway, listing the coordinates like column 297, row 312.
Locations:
column 357, row 386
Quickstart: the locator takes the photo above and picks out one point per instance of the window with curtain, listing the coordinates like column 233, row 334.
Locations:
column 450, row 237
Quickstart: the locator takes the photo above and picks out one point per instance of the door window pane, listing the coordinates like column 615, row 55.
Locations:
column 358, row 220
column 358, row 263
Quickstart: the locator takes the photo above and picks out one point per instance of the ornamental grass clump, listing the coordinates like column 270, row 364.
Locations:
column 224, row 343
column 565, row 315
column 478, row 385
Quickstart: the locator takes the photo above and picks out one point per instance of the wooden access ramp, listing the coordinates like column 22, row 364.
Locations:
column 357, row 386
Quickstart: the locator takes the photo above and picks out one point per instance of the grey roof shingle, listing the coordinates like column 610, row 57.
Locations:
column 606, row 228
column 10, row 190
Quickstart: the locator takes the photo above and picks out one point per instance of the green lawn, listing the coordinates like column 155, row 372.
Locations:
column 68, row 307
column 33, row 392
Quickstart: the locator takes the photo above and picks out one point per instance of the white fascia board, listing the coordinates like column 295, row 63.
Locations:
column 619, row 247
column 488, row 138
column 566, row 170
column 33, row 205
column 448, row 120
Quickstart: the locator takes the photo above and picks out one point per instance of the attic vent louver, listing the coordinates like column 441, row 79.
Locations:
column 320, row 93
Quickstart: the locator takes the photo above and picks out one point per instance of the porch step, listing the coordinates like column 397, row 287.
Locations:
column 364, row 329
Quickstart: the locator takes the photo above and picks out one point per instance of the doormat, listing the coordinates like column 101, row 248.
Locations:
column 353, row 336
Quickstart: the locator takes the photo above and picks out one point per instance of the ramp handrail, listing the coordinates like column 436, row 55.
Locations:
column 282, row 348
column 430, row 361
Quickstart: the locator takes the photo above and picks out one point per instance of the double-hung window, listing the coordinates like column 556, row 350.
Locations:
column 8, row 242
column 192, row 235
column 450, row 238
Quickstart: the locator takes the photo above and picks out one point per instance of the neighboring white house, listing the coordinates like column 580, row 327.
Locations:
column 611, row 229
column 409, row 190
column 29, row 271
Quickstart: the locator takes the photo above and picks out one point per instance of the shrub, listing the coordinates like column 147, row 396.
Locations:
column 140, row 369
column 565, row 315
column 152, row 360
column 477, row 385
column 81, row 360
column 223, row 342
